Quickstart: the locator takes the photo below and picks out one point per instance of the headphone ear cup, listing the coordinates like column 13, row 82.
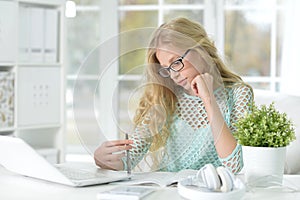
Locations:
column 210, row 177
column 227, row 179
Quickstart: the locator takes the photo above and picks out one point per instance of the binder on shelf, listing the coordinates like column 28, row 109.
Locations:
column 8, row 29
column 38, row 38
column 36, row 24
column 51, row 35
column 24, row 36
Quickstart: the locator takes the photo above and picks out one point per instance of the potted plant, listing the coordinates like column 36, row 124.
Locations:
column 264, row 133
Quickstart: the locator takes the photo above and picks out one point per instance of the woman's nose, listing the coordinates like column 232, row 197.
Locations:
column 173, row 74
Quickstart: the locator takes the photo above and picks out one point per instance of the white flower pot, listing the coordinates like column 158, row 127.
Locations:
column 263, row 166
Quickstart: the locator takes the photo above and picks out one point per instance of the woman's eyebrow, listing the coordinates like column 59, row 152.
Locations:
column 170, row 61
column 173, row 58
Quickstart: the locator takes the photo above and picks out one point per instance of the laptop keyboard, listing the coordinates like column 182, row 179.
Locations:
column 77, row 174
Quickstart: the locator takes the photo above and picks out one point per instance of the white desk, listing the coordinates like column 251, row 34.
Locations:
column 16, row 187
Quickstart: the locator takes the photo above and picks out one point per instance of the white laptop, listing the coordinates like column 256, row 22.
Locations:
column 17, row 156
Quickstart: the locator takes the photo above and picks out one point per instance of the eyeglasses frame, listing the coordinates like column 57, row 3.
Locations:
column 170, row 66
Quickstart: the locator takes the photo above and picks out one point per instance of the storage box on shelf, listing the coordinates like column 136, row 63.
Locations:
column 32, row 74
column 6, row 100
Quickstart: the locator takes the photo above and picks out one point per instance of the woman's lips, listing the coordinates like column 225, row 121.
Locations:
column 182, row 82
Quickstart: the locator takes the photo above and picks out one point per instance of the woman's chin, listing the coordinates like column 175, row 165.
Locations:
column 188, row 89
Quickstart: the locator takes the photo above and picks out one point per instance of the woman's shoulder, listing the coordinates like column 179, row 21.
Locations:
column 240, row 86
column 240, row 89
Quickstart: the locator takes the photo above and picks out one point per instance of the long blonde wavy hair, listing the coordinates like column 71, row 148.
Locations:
column 158, row 99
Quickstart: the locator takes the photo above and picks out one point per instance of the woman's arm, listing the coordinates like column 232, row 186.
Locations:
column 242, row 96
column 224, row 141
column 225, row 144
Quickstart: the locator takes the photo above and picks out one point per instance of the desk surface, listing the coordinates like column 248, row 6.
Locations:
column 13, row 186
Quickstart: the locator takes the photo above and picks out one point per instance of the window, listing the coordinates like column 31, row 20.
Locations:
column 253, row 40
column 81, row 38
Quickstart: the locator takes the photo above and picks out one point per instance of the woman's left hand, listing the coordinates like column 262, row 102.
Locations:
column 202, row 86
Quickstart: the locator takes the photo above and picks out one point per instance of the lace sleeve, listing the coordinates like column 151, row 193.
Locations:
column 242, row 96
column 234, row 162
column 141, row 142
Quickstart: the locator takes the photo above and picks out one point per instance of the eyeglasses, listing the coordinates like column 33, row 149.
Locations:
column 175, row 66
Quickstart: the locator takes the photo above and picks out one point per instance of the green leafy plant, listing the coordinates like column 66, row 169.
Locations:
column 264, row 127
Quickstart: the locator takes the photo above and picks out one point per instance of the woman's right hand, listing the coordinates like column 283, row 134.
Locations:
column 108, row 155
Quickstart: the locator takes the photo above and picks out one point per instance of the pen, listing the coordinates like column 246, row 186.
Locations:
column 128, row 158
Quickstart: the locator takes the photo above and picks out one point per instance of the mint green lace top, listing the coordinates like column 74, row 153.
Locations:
column 190, row 144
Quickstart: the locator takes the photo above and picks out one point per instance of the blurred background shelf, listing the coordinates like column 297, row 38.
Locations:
column 32, row 74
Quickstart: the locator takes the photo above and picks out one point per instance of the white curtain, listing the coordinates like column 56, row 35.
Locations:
column 291, row 53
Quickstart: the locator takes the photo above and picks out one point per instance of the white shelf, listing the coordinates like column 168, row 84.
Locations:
column 31, row 45
column 39, row 64
column 40, row 126
column 7, row 129
column 57, row 3
column 6, row 65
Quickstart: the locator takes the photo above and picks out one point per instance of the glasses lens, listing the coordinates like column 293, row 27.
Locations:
column 177, row 65
column 164, row 72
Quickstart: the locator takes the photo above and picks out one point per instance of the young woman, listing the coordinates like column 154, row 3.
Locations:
column 187, row 112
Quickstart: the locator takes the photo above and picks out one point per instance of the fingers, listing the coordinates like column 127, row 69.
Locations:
column 117, row 142
column 110, row 164
column 194, row 85
column 110, row 153
column 116, row 149
column 201, row 85
column 117, row 146
column 110, row 161
column 115, row 157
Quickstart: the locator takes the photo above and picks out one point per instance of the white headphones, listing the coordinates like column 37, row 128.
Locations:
column 216, row 179
column 211, row 182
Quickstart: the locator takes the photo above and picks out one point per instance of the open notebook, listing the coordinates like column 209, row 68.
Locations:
column 17, row 156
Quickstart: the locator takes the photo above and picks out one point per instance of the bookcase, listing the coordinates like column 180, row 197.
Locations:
column 32, row 84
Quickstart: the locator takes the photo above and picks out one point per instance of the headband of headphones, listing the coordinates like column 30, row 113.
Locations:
column 211, row 183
